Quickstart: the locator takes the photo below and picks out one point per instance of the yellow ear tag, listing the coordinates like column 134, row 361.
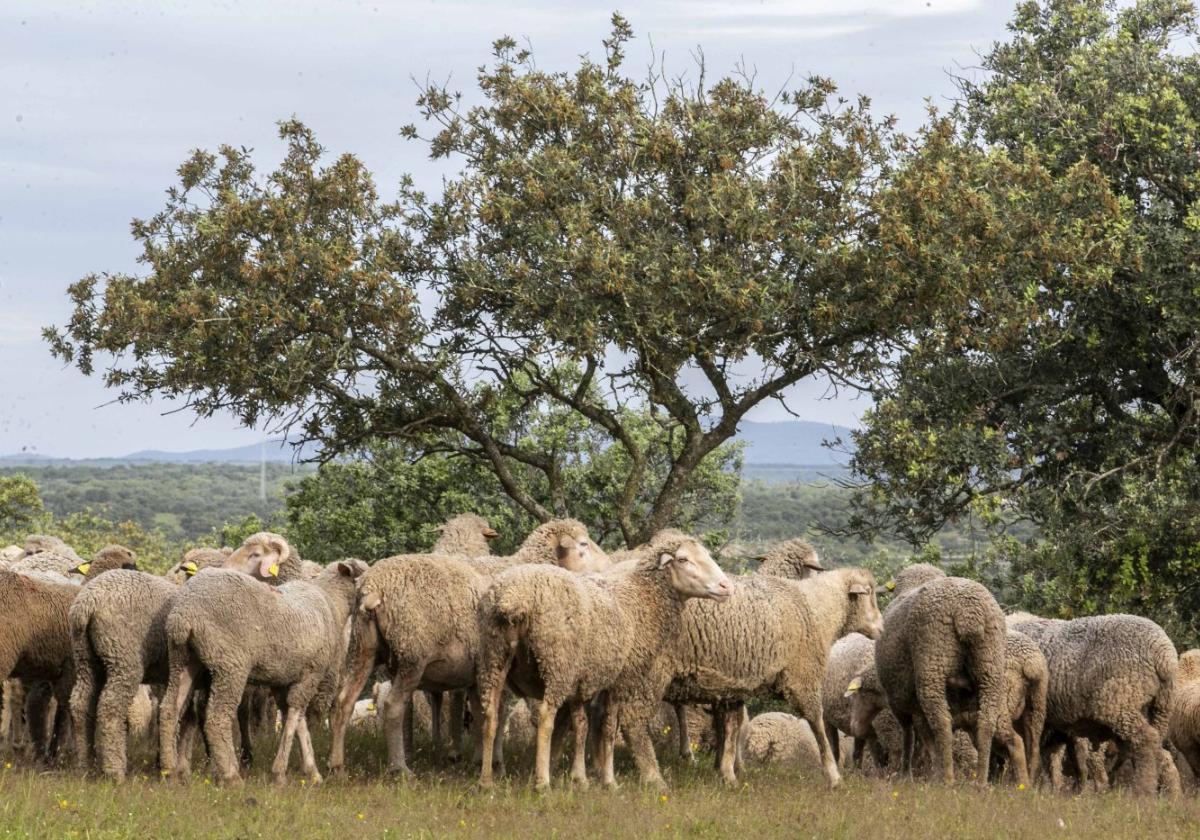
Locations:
column 189, row 569
column 82, row 568
column 274, row 570
column 890, row 586
column 370, row 707
column 855, row 685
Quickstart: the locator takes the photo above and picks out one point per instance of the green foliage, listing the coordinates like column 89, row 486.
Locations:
column 182, row 501
column 606, row 238
column 1059, row 382
column 20, row 503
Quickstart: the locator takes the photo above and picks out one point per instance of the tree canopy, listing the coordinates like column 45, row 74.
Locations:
column 653, row 257
column 1062, row 383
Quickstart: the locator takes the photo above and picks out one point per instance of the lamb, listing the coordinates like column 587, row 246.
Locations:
column 871, row 721
column 34, row 643
column 939, row 633
column 296, row 647
column 416, row 614
column 564, row 639
column 1185, row 713
column 774, row 636
column 794, row 558
column 1111, row 676
column 118, row 642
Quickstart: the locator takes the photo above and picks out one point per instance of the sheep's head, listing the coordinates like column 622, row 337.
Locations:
column 866, row 700
column 261, row 556
column 692, row 570
column 794, row 558
column 910, row 577
column 863, row 616
column 565, row 543
column 467, row 533
column 107, row 558
column 1189, row 666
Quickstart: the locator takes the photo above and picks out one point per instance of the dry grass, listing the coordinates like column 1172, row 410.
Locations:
column 788, row 802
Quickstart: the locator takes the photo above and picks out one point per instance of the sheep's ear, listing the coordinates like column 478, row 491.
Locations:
column 665, row 559
column 490, row 533
column 281, row 547
column 350, row 568
column 854, row 687
column 859, row 589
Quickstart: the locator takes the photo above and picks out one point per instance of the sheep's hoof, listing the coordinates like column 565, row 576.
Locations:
column 835, row 782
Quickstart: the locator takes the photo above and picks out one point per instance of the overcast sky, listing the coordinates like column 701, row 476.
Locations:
column 100, row 102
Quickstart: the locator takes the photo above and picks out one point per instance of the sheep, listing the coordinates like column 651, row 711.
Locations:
column 849, row 659
column 774, row 636
column 944, row 632
column 118, row 642
column 564, row 638
column 1184, row 729
column 416, row 614
column 108, row 558
column 274, row 556
column 1111, row 676
column 295, row 645
column 465, row 535
column 777, row 738
column 871, row 721
column 35, row 645
column 794, row 558
column 45, row 544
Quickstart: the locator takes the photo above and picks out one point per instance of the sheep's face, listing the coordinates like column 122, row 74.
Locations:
column 260, row 556
column 573, row 551
column 864, row 616
column 693, row 572
column 865, row 703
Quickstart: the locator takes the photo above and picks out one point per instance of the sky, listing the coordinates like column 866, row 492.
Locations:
column 101, row 102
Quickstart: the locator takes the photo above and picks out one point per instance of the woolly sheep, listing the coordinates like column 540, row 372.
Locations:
column 106, row 559
column 1185, row 713
column 774, row 636
column 940, row 632
column 467, row 534
column 34, row 643
column 565, row 638
column 267, row 556
column 417, row 615
column 118, row 642
column 295, row 645
column 871, row 721
column 1110, row 676
column 780, row 738
column 794, row 558
column 46, row 544
column 849, row 659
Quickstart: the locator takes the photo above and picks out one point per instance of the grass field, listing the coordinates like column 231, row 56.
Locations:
column 773, row 802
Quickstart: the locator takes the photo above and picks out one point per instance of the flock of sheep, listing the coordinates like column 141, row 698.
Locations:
column 602, row 648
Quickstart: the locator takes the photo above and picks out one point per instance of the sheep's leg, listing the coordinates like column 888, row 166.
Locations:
column 476, row 733
column 1145, row 742
column 604, row 751
column 547, row 710
column 835, row 742
column 507, row 701
column 1014, row 746
column 37, row 703
column 743, row 734
column 806, row 701
column 1168, row 775
column 435, row 721
column 397, row 710
column 457, row 707
column 907, row 743
column 407, row 727
column 681, row 726
column 558, row 741
column 579, row 723
column 936, row 711
column 223, row 697
column 307, row 756
column 189, row 725
column 991, row 717
column 245, row 711
column 112, row 722
column 729, row 725
column 83, row 711
column 181, row 678
column 635, row 721
column 61, row 725
column 360, row 661
column 292, row 721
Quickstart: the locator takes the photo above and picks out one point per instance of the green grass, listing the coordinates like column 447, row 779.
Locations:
column 444, row 802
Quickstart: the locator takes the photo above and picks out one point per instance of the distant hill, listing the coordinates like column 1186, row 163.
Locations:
column 772, row 445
